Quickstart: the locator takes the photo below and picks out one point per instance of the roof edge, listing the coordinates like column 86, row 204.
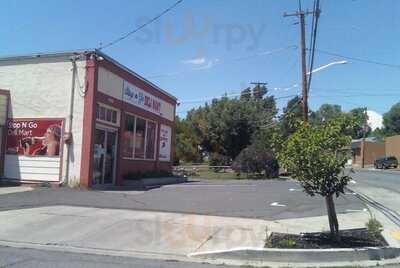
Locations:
column 85, row 52
column 112, row 60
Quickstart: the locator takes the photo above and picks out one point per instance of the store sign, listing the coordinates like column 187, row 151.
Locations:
column 138, row 97
column 142, row 99
column 34, row 137
column 165, row 143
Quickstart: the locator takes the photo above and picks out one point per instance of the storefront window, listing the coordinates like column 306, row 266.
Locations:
column 128, row 136
column 150, row 139
column 140, row 137
column 114, row 117
column 102, row 113
column 107, row 114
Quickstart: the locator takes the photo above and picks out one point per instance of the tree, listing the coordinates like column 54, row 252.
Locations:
column 357, row 132
column 391, row 120
column 187, row 141
column 245, row 94
column 326, row 112
column 312, row 155
column 230, row 124
column 256, row 160
column 259, row 91
column 291, row 113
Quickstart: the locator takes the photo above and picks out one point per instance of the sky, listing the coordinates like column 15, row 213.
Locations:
column 206, row 48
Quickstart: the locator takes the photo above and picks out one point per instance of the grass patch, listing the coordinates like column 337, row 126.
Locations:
column 228, row 175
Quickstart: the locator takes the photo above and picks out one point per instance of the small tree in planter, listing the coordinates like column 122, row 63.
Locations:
column 313, row 157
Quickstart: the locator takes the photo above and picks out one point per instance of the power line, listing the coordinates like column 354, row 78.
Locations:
column 304, row 79
column 140, row 27
column 316, row 12
column 224, row 61
column 228, row 95
column 358, row 59
column 358, row 89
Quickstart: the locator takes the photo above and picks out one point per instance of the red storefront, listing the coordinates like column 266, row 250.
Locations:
column 113, row 123
column 138, row 127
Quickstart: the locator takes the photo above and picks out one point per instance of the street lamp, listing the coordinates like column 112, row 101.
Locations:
column 327, row 65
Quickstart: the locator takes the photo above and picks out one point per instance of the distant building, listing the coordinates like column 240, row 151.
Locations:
column 372, row 149
column 81, row 118
column 392, row 146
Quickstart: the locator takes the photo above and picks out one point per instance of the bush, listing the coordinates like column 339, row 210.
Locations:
column 219, row 160
column 286, row 243
column 256, row 160
column 147, row 174
column 184, row 172
column 374, row 227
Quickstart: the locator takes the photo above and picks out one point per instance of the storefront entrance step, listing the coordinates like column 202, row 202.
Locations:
column 154, row 182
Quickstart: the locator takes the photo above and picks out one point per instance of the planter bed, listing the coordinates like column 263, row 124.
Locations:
column 353, row 238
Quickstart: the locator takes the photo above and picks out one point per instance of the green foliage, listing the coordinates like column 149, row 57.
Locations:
column 312, row 155
column 374, row 227
column 293, row 113
column 187, row 142
column 357, row 131
column 378, row 133
column 257, row 160
column 217, row 159
column 287, row 243
column 225, row 126
column 325, row 113
column 391, row 120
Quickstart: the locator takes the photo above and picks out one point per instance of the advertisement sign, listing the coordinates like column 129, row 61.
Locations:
column 138, row 97
column 142, row 99
column 34, row 137
column 165, row 143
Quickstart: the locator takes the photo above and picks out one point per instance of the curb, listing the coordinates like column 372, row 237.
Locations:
column 154, row 182
column 302, row 255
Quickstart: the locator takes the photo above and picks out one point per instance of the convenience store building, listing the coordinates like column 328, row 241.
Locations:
column 81, row 118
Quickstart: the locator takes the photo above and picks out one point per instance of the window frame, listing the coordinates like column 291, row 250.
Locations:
column 145, row 139
column 106, row 107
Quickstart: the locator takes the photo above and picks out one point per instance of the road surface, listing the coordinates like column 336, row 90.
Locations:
column 16, row 257
column 382, row 186
column 268, row 200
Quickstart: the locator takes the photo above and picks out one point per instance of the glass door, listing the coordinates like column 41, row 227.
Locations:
column 104, row 154
column 109, row 160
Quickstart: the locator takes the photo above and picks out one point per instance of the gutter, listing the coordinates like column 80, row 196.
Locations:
column 70, row 120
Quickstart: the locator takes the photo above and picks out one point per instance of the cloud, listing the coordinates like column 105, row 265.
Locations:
column 210, row 64
column 375, row 120
column 195, row 61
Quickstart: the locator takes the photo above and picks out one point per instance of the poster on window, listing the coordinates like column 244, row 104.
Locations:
column 165, row 143
column 34, row 137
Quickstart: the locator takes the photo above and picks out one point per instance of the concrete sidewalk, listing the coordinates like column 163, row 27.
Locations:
column 136, row 233
column 14, row 189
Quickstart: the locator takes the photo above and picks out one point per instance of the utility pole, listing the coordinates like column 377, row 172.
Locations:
column 301, row 15
column 365, row 129
column 259, row 83
column 258, row 86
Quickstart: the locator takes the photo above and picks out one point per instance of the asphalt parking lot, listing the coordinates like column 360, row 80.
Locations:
column 269, row 199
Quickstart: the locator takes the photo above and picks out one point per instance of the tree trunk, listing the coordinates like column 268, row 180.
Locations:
column 333, row 222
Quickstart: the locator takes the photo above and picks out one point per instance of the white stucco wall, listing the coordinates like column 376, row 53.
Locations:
column 41, row 88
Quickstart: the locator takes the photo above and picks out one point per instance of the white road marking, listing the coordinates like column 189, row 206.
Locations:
column 294, row 190
column 357, row 210
column 276, row 204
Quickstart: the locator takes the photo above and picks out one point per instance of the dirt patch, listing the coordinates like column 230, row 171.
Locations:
column 353, row 238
